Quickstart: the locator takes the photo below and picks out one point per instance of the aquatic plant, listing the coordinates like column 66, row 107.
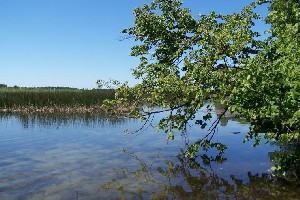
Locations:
column 52, row 100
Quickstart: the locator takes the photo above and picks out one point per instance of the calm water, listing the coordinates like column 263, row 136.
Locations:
column 89, row 157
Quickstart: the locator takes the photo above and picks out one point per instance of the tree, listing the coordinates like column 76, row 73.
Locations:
column 3, row 86
column 270, row 98
column 187, row 62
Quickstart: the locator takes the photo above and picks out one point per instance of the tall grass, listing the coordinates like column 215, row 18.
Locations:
column 13, row 98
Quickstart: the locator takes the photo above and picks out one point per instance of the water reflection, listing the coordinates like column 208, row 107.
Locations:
column 56, row 156
column 61, row 119
column 186, row 179
column 87, row 119
column 288, row 158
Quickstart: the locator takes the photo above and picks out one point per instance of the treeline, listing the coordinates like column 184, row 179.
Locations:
column 4, row 86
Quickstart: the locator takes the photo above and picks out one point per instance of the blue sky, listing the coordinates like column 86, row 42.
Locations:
column 75, row 42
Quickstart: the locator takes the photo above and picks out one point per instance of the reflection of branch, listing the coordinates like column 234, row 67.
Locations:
column 213, row 128
column 164, row 110
column 142, row 128
column 190, row 180
column 146, row 169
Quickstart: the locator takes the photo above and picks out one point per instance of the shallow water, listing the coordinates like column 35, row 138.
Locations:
column 90, row 157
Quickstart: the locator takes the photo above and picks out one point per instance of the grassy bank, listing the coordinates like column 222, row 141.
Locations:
column 52, row 99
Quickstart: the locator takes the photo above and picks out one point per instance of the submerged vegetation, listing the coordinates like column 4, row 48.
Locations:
column 51, row 99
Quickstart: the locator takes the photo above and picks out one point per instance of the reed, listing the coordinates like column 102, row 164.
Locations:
column 20, row 99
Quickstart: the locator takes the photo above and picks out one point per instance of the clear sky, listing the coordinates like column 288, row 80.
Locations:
column 75, row 42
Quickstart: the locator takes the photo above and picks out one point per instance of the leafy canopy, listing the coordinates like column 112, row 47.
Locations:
column 187, row 62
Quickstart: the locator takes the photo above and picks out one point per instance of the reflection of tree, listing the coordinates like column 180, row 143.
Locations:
column 62, row 119
column 287, row 161
column 188, row 179
column 224, row 118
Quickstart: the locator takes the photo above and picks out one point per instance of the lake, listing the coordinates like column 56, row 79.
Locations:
column 56, row 156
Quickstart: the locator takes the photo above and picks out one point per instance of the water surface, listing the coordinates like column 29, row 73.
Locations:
column 90, row 157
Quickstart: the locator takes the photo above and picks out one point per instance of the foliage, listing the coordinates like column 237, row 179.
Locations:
column 270, row 96
column 187, row 62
